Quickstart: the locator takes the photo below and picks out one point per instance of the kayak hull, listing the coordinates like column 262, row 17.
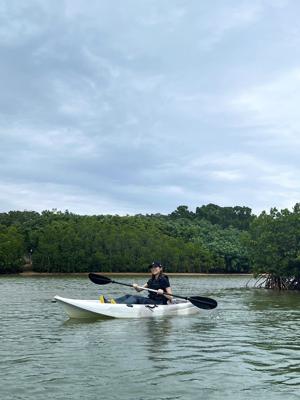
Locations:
column 94, row 309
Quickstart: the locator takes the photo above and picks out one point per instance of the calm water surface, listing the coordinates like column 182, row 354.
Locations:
column 248, row 348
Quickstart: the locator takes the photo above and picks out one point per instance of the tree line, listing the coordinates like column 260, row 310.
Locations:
column 212, row 239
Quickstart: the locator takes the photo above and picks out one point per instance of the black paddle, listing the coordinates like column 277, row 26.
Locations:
column 200, row 302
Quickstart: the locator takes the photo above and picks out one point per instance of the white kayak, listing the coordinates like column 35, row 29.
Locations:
column 94, row 309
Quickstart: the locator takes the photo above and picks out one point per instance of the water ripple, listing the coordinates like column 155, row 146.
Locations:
column 248, row 348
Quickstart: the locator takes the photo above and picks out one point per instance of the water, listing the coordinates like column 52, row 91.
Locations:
column 247, row 348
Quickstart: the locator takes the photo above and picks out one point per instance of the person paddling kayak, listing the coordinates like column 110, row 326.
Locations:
column 158, row 281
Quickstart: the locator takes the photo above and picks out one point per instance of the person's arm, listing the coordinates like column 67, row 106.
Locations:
column 135, row 285
column 167, row 293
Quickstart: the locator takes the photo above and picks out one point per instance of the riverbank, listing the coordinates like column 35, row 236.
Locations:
column 33, row 273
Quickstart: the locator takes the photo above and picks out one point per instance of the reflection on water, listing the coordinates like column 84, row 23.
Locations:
column 78, row 322
column 247, row 348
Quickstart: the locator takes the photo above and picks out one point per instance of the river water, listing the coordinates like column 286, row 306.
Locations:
column 247, row 348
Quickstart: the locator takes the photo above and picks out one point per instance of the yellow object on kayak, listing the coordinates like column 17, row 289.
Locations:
column 101, row 299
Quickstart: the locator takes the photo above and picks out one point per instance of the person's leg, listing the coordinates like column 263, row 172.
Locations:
column 127, row 299
column 141, row 300
column 147, row 300
column 122, row 299
column 132, row 299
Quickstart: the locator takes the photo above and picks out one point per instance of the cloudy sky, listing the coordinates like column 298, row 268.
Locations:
column 139, row 106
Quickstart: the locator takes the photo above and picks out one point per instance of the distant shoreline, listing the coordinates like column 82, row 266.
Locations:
column 33, row 273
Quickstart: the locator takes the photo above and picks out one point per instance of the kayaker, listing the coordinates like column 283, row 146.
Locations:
column 158, row 281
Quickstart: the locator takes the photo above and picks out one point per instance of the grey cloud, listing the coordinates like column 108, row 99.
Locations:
column 110, row 105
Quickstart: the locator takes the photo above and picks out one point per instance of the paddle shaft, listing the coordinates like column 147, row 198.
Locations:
column 148, row 289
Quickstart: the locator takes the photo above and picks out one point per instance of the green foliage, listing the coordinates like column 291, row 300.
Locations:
column 65, row 242
column 11, row 249
column 117, row 244
column 224, row 246
column 213, row 239
column 273, row 243
column 236, row 217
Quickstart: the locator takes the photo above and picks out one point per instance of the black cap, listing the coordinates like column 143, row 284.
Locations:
column 155, row 264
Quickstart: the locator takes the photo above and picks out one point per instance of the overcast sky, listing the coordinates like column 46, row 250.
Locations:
column 139, row 106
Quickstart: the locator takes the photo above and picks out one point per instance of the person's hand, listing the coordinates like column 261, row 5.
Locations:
column 135, row 285
column 160, row 291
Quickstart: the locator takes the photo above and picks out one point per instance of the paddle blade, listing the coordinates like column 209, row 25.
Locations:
column 99, row 279
column 203, row 302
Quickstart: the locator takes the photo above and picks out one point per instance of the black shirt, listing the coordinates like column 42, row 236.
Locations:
column 161, row 282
